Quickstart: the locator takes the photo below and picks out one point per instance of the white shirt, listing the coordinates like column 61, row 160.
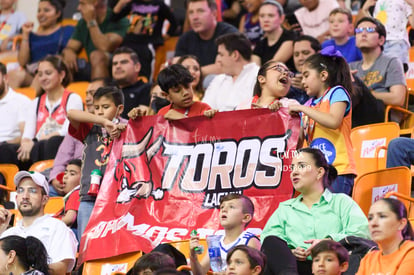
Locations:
column 224, row 94
column 394, row 15
column 12, row 112
column 74, row 102
column 60, row 242
column 316, row 22
column 243, row 239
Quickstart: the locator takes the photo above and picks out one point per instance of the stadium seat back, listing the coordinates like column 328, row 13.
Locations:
column 367, row 141
column 373, row 186
column 120, row 264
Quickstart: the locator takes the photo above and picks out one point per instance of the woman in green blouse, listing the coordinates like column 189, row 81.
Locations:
column 299, row 224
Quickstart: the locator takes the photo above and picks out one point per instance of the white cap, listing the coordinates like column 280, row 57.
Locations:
column 38, row 178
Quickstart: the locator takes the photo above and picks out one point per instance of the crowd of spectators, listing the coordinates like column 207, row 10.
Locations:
column 337, row 69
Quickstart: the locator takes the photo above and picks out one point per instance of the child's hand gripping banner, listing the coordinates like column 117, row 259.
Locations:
column 166, row 178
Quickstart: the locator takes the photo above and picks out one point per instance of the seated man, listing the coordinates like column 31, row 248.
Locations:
column 59, row 241
column 236, row 84
column 98, row 35
column 382, row 74
column 204, row 31
column 125, row 71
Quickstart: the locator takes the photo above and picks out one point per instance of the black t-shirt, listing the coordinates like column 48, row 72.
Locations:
column 146, row 20
column 205, row 50
column 366, row 109
column 134, row 95
column 266, row 52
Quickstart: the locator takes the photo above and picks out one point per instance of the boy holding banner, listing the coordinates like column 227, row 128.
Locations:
column 175, row 81
column 236, row 212
column 96, row 131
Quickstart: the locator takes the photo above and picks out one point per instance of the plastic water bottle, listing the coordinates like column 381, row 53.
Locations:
column 213, row 242
column 199, row 249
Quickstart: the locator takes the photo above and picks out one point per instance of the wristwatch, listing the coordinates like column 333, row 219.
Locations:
column 92, row 23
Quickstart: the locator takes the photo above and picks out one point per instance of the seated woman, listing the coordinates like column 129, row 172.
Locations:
column 391, row 230
column 50, row 38
column 299, row 224
column 46, row 121
column 272, row 85
column 25, row 256
column 277, row 42
column 192, row 64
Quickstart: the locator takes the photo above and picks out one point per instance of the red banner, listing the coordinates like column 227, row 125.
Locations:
column 166, row 178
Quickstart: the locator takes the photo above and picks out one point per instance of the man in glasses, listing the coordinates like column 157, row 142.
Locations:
column 32, row 195
column 382, row 74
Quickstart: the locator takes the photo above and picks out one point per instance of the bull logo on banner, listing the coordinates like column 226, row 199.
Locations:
column 138, row 182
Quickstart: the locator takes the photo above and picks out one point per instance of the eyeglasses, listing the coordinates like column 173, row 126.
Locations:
column 367, row 29
column 282, row 70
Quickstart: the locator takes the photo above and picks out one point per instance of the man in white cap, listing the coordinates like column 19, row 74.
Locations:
column 32, row 195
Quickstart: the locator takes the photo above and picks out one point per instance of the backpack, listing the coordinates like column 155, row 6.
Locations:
column 357, row 248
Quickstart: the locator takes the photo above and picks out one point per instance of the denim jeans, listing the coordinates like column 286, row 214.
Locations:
column 400, row 152
column 343, row 184
column 84, row 213
column 397, row 48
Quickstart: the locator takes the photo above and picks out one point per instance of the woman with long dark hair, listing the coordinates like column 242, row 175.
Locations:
column 390, row 229
column 23, row 256
column 46, row 121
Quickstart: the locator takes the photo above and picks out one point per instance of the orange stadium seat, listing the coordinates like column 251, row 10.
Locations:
column 27, row 91
column 40, row 166
column 8, row 57
column 163, row 53
column 8, row 171
column 54, row 206
column 184, row 247
column 69, row 22
column 80, row 88
column 407, row 118
column 120, row 264
column 372, row 186
column 367, row 141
